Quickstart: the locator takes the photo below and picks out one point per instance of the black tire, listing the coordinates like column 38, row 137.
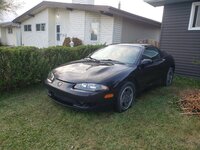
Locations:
column 169, row 77
column 126, row 97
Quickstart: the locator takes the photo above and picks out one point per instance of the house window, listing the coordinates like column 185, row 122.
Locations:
column 94, row 31
column 58, row 32
column 194, row 23
column 37, row 27
column 10, row 30
column 27, row 28
column 40, row 27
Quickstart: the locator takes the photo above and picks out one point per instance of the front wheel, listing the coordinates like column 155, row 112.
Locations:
column 126, row 97
column 169, row 77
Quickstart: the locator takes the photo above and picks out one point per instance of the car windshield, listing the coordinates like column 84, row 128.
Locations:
column 122, row 53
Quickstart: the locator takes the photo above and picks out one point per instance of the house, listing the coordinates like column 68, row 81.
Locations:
column 180, row 34
column 49, row 23
column 10, row 34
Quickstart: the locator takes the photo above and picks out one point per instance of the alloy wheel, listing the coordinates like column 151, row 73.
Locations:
column 170, row 76
column 126, row 97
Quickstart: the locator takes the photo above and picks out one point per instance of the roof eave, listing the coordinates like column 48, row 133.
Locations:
column 135, row 17
column 156, row 3
column 8, row 24
column 106, row 10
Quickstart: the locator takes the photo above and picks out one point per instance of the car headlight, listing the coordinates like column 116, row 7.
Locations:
column 50, row 77
column 91, row 87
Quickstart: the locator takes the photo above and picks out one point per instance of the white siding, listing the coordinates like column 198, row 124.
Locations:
column 58, row 17
column 18, row 36
column 3, row 35
column 132, row 31
column 51, row 28
column 106, row 29
column 90, row 18
column 117, row 30
column 12, row 39
column 36, row 38
column 0, row 35
column 77, row 24
column 72, row 24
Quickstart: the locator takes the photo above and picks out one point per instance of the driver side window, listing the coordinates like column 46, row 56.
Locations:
column 151, row 53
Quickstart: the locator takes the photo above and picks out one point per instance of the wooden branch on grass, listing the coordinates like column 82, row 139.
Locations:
column 190, row 113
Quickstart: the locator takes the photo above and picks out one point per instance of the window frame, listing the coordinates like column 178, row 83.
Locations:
column 91, row 29
column 40, row 27
column 26, row 28
column 152, row 47
column 10, row 30
column 43, row 25
column 192, row 15
column 58, row 35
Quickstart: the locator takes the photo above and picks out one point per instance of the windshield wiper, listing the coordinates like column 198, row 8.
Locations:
column 93, row 59
column 114, row 61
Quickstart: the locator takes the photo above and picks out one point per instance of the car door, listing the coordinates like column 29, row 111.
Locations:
column 151, row 72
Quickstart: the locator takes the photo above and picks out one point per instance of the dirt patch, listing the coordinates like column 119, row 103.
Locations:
column 190, row 102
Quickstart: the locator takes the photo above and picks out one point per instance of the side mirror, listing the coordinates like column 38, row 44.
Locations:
column 146, row 62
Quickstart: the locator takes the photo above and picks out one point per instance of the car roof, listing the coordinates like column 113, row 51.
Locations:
column 136, row 45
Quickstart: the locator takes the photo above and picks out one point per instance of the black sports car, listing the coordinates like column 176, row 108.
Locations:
column 113, row 74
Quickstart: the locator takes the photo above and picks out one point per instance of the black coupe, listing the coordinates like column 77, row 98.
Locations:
column 114, row 74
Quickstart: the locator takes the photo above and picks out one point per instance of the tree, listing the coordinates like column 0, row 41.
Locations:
column 8, row 6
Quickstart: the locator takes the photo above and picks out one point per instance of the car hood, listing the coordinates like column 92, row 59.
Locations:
column 90, row 71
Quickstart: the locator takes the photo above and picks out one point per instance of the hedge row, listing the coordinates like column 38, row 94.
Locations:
column 22, row 66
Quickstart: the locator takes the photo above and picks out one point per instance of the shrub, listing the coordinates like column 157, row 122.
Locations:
column 1, row 44
column 22, row 66
column 67, row 42
column 77, row 42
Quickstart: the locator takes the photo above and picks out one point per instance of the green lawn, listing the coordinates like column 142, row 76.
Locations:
column 30, row 120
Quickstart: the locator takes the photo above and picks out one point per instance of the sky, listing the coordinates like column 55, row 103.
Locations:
column 138, row 7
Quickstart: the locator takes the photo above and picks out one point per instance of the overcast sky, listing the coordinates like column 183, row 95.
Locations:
column 137, row 7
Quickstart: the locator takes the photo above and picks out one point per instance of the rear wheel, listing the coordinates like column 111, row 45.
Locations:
column 126, row 97
column 169, row 77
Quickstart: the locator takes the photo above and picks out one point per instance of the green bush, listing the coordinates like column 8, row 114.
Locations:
column 22, row 66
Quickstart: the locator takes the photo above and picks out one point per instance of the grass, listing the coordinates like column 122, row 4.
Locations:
column 30, row 120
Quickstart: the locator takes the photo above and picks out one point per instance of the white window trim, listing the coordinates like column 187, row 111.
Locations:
column 10, row 30
column 36, row 28
column 27, row 28
column 98, row 34
column 192, row 16
column 58, row 33
column 40, row 29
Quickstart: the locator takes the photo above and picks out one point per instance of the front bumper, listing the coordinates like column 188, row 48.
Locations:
column 63, row 93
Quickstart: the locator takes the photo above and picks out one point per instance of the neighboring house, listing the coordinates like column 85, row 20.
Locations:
column 48, row 23
column 180, row 35
column 10, row 34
